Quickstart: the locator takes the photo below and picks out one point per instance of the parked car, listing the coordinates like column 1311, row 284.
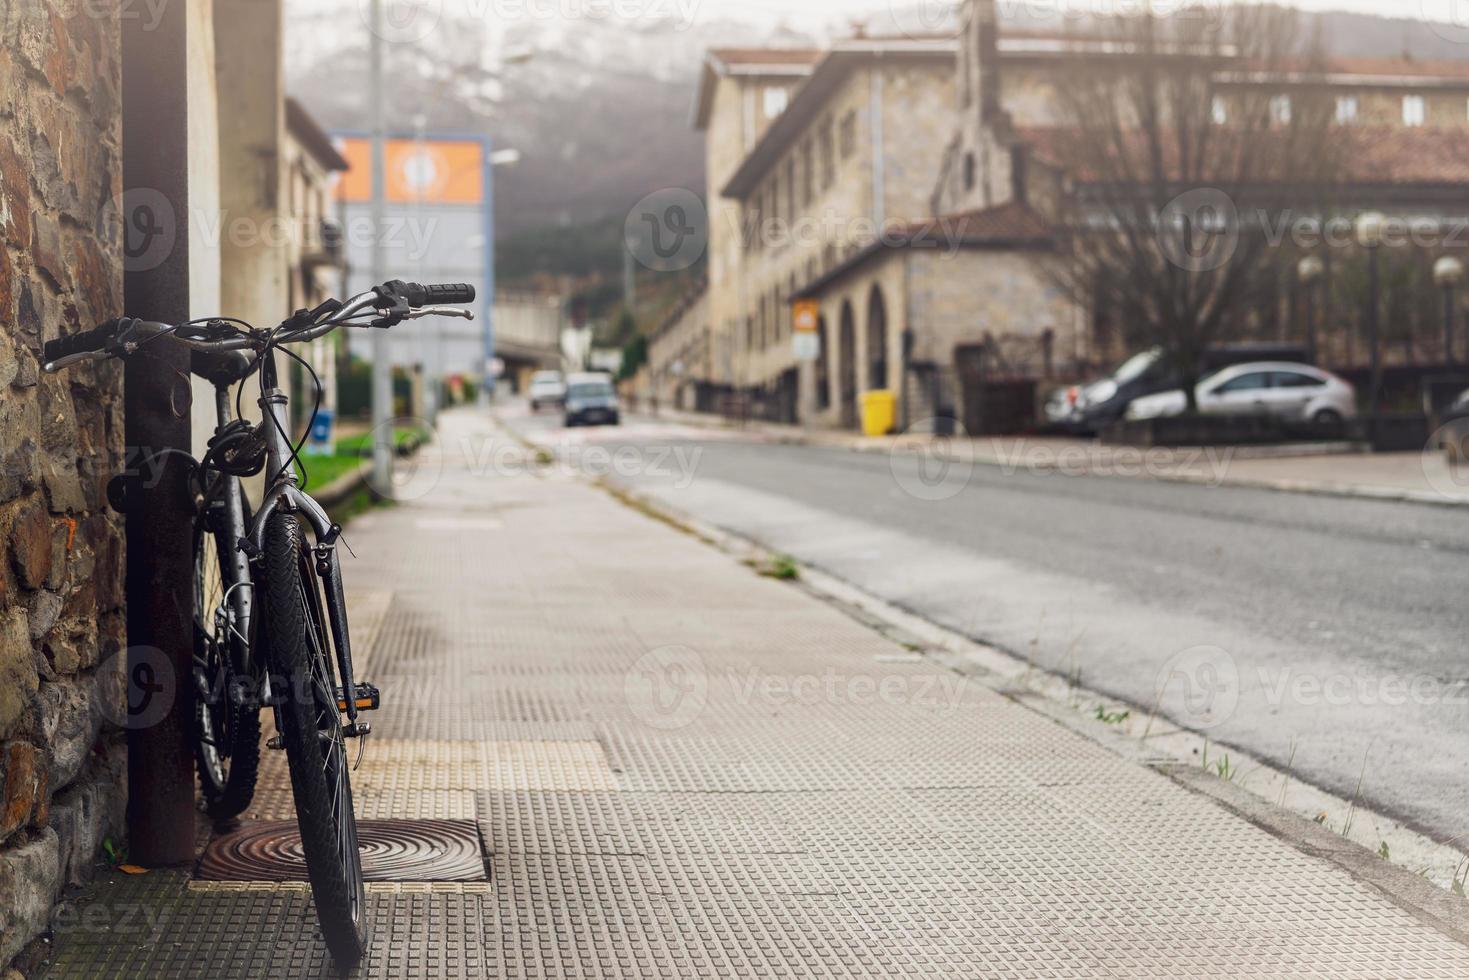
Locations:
column 1092, row 407
column 1279, row 389
column 591, row 400
column 1454, row 431
column 546, row 388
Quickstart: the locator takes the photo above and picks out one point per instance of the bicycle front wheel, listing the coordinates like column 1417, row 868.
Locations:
column 299, row 649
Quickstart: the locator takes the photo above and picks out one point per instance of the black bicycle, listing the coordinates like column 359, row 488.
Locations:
column 270, row 619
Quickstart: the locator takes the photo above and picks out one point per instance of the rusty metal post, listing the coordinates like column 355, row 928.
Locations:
column 156, row 404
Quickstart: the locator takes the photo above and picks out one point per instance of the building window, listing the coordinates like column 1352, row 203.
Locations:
column 1346, row 109
column 1415, row 112
column 1280, row 110
column 808, row 174
column 969, row 171
column 1220, row 111
column 776, row 100
column 791, row 190
column 828, row 153
column 849, row 134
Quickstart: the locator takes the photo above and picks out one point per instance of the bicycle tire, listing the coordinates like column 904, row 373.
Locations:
column 299, row 653
column 228, row 716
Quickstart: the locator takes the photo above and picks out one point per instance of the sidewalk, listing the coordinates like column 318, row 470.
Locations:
column 1335, row 469
column 678, row 768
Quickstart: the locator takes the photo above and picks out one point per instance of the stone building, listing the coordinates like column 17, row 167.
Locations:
column 953, row 147
column 62, row 764
column 314, row 256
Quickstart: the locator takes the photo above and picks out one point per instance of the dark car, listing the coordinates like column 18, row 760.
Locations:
column 1093, row 407
column 1454, row 430
column 591, row 400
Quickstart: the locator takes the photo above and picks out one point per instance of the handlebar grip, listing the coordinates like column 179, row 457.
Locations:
column 86, row 341
column 443, row 294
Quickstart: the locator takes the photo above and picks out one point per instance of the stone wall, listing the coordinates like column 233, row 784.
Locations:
column 62, row 763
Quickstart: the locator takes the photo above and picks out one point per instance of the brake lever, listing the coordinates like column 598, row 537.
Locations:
column 454, row 311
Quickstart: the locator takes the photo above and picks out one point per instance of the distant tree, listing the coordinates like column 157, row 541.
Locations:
column 1175, row 180
column 634, row 356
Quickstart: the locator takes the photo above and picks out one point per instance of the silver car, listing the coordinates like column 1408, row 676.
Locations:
column 1281, row 389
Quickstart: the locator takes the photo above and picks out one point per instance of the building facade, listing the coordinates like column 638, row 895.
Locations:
column 948, row 146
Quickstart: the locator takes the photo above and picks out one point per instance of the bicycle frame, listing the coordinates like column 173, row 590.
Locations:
column 283, row 492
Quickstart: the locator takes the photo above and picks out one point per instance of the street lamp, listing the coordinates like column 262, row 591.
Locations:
column 1309, row 271
column 1448, row 272
column 1370, row 229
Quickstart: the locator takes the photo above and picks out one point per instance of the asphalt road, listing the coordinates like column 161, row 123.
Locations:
column 1320, row 633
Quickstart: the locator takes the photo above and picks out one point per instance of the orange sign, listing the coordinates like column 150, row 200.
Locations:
column 430, row 171
column 805, row 315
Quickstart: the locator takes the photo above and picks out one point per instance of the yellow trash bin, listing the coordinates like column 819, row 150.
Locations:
column 879, row 412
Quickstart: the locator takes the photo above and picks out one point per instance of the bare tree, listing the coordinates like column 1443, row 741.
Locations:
column 1182, row 139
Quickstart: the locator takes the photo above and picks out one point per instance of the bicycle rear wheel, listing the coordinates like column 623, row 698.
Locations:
column 299, row 649
column 226, row 714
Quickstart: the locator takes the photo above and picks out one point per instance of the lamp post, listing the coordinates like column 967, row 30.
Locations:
column 1309, row 271
column 1370, row 228
column 1448, row 272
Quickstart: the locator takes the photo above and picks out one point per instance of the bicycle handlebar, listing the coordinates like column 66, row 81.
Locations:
column 91, row 341
column 445, row 294
column 406, row 300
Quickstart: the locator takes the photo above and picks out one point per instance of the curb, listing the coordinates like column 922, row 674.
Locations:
column 1313, row 450
column 1419, row 897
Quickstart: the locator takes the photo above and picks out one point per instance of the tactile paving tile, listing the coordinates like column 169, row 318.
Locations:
column 437, row 780
column 157, row 927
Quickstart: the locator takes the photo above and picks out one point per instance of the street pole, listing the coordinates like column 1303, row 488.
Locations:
column 1311, row 320
column 382, row 369
column 156, row 424
column 1374, row 391
column 1448, row 325
column 487, row 314
column 429, row 333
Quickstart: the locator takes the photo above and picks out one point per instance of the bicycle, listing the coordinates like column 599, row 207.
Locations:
column 272, row 629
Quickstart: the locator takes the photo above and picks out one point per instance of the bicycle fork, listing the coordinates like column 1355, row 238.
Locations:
column 284, row 494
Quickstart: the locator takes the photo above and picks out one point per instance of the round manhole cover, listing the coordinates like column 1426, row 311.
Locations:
column 392, row 850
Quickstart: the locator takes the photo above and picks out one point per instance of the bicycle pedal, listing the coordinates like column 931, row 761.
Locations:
column 368, row 698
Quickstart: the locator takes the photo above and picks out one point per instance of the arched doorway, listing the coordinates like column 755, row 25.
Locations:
column 877, row 339
column 847, row 365
column 823, row 366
